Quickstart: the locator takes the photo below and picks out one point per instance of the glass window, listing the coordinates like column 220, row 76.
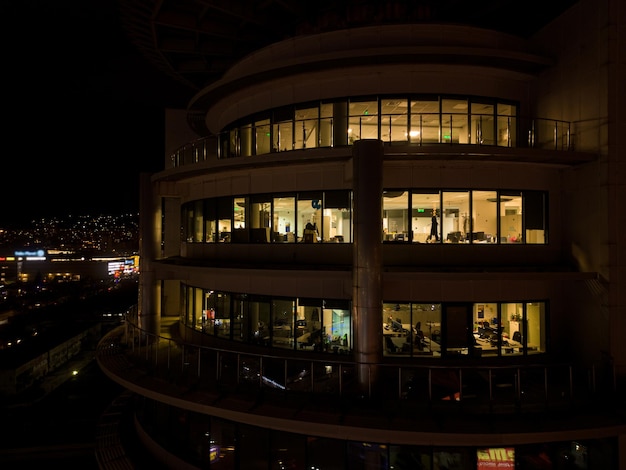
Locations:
column 197, row 307
column 225, row 218
column 510, row 217
column 240, row 318
column 309, row 325
column 456, row 334
column 306, row 127
column 210, row 221
column 456, row 224
column 246, row 142
column 337, row 326
column 208, row 314
column 535, row 217
column 366, row 455
column 283, row 135
column 454, row 119
column 409, row 457
column 507, row 125
column 326, row 125
column 487, row 329
column 453, row 458
column 187, row 221
column 259, row 320
column 222, row 324
column 240, row 231
column 254, row 449
column 535, row 340
column 426, row 216
column 363, row 120
column 198, row 221
column 233, row 143
column 484, row 216
column 511, row 316
column 288, row 451
column 309, row 207
column 427, row 327
column 396, row 222
column 283, row 311
column 397, row 329
column 425, row 121
column 337, row 221
column 326, row 453
column 186, row 299
column 260, row 218
column 394, row 119
column 224, row 441
column 262, row 136
column 482, row 122
column 284, row 219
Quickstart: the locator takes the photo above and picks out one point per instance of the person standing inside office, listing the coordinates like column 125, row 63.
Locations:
column 434, row 230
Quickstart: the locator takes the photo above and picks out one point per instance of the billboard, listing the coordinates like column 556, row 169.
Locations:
column 495, row 458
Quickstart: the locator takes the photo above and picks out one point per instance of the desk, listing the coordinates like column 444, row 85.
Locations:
column 508, row 346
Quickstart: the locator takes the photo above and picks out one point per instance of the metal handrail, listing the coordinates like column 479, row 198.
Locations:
column 483, row 388
column 549, row 134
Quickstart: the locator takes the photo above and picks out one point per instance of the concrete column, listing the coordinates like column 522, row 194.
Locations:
column 367, row 262
column 149, row 291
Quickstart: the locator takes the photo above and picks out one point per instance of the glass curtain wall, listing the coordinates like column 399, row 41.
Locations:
column 394, row 119
column 421, row 216
column 482, row 329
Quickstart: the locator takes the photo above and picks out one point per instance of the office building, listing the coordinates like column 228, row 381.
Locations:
column 386, row 235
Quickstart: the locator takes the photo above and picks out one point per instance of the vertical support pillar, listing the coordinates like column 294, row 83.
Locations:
column 148, row 302
column 367, row 262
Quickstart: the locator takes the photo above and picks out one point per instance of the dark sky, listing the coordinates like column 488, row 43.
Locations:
column 83, row 111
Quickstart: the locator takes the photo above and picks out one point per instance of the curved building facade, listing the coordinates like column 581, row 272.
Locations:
column 388, row 246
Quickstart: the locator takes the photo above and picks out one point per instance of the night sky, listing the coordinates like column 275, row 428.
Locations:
column 83, row 111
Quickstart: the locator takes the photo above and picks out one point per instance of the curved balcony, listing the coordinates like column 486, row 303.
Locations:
column 301, row 394
column 534, row 133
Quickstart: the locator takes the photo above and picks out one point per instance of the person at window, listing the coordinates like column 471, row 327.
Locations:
column 419, row 336
column 434, row 230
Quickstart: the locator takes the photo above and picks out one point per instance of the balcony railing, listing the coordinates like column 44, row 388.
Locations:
column 425, row 129
column 470, row 388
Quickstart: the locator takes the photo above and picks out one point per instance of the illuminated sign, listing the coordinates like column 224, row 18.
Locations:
column 38, row 253
column 496, row 457
column 214, row 453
